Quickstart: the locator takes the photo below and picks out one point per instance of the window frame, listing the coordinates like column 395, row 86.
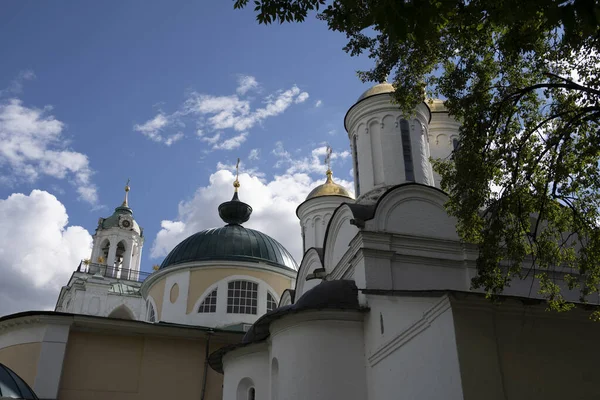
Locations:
column 244, row 288
column 212, row 298
column 273, row 299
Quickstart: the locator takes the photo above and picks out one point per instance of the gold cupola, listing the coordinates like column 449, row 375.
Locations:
column 329, row 188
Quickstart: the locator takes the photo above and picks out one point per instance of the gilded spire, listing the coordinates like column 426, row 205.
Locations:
column 236, row 183
column 329, row 188
column 328, row 151
column 127, row 188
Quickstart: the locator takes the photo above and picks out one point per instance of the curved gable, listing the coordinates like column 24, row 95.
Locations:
column 287, row 298
column 310, row 262
column 338, row 236
column 415, row 210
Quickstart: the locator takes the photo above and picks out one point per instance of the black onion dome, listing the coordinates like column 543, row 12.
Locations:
column 235, row 211
column 230, row 243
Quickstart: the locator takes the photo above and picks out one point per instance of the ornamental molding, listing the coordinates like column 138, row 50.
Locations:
column 412, row 331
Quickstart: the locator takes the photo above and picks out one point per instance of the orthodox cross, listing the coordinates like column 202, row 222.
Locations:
column 328, row 157
column 236, row 183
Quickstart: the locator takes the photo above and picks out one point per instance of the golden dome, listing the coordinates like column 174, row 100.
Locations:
column 380, row 88
column 436, row 105
column 329, row 188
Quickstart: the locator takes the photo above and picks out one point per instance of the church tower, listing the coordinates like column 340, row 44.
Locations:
column 118, row 241
column 388, row 148
column 314, row 213
column 108, row 284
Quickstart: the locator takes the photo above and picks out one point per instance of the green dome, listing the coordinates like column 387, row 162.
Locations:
column 114, row 221
column 230, row 243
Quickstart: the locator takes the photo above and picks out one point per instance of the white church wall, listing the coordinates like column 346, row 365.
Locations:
column 442, row 131
column 134, row 304
column 415, row 210
column 314, row 215
column 244, row 369
column 374, row 123
column 415, row 357
column 319, row 356
column 175, row 295
column 340, row 234
column 310, row 263
column 221, row 318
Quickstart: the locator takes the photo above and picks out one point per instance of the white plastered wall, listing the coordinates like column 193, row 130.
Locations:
column 410, row 349
column 375, row 125
column 244, row 368
column 319, row 356
column 310, row 263
column 340, row 234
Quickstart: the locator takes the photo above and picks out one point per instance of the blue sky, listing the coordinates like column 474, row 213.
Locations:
column 168, row 94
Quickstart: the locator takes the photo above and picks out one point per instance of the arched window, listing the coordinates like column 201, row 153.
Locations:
column 151, row 312
column 355, row 158
column 209, row 304
column 245, row 390
column 242, row 297
column 454, row 143
column 271, row 303
column 407, row 151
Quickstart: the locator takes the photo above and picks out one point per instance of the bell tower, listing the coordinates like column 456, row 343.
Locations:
column 117, row 242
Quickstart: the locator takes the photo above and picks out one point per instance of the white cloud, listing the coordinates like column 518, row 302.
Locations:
column 32, row 144
column 212, row 139
column 318, row 103
column 218, row 113
column 254, row 154
column 232, row 143
column 16, row 86
column 246, row 83
column 315, row 163
column 274, row 206
column 302, row 97
column 173, row 138
column 154, row 127
column 38, row 251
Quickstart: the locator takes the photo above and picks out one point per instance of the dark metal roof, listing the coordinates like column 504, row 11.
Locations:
column 13, row 387
column 231, row 243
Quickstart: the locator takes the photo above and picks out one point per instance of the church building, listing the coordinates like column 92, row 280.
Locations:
column 380, row 306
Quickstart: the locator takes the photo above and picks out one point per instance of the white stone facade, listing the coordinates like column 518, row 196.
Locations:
column 416, row 333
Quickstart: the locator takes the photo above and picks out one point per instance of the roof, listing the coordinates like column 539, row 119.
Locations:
column 231, row 243
column 329, row 188
column 121, row 213
column 122, row 325
column 380, row 88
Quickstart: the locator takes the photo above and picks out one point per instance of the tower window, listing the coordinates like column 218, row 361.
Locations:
column 251, row 394
column 242, row 297
column 209, row 304
column 271, row 303
column 355, row 157
column 407, row 151
column 454, row 143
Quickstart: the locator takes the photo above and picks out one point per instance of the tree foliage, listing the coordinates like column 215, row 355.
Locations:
column 523, row 78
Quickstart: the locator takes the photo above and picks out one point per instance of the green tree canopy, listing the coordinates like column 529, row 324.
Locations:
column 523, row 78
